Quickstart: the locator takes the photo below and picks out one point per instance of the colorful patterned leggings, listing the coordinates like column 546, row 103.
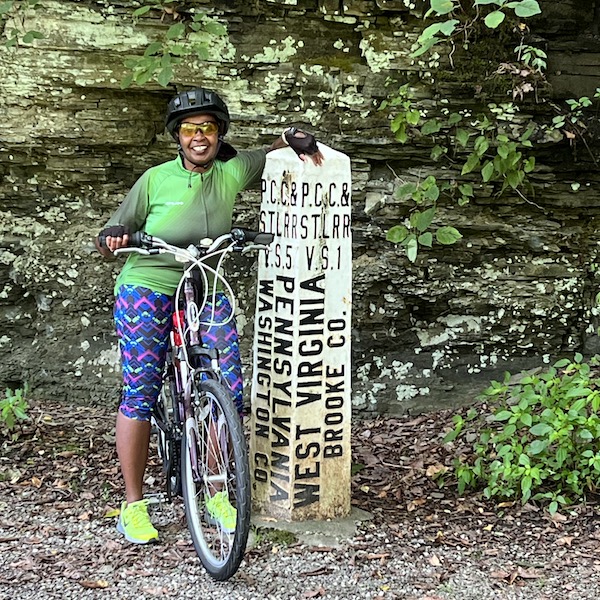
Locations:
column 143, row 321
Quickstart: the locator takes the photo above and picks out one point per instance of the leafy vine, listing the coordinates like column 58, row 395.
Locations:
column 14, row 11
column 179, row 41
column 491, row 148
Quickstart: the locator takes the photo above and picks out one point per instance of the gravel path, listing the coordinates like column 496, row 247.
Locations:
column 56, row 541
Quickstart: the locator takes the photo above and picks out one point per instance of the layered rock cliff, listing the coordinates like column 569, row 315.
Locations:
column 517, row 290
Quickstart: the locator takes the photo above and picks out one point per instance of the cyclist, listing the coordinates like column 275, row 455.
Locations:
column 181, row 201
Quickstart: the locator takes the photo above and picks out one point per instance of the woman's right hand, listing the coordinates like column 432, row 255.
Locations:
column 111, row 238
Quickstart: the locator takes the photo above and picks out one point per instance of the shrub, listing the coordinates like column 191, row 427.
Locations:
column 540, row 439
column 13, row 410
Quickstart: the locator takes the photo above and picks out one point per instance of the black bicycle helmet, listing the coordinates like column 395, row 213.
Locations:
column 197, row 102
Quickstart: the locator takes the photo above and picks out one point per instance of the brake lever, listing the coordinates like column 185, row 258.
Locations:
column 254, row 247
column 128, row 250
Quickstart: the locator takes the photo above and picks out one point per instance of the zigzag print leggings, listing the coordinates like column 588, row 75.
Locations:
column 143, row 321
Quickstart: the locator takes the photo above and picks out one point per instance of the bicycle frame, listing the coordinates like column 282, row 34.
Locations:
column 186, row 349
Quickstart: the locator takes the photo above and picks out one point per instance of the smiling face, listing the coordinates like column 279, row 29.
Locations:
column 198, row 146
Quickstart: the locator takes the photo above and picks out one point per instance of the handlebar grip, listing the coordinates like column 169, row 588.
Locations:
column 139, row 239
column 242, row 236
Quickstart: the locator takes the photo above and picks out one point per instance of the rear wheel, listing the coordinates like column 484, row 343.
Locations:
column 215, row 461
column 168, row 442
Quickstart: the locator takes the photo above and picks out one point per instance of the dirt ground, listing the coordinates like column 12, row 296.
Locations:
column 60, row 488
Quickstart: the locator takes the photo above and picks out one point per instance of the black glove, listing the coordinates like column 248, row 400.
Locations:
column 300, row 141
column 112, row 231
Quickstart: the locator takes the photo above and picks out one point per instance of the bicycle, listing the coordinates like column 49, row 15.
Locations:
column 200, row 436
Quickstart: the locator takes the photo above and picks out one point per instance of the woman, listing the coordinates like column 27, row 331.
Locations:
column 181, row 201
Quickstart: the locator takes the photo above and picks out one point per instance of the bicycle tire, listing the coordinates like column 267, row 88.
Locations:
column 220, row 552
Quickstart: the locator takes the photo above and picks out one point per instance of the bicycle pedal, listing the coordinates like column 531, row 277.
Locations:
column 156, row 498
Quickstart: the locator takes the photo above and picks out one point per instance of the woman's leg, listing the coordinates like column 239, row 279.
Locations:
column 133, row 439
column 143, row 323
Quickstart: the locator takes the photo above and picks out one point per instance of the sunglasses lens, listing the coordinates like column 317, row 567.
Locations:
column 187, row 128
column 192, row 128
column 209, row 128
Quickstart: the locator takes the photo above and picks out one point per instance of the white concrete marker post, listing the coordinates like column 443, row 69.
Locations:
column 301, row 406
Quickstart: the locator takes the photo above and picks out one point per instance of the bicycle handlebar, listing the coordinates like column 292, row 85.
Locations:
column 148, row 244
column 243, row 236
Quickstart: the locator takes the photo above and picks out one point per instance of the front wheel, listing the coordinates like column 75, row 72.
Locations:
column 215, row 467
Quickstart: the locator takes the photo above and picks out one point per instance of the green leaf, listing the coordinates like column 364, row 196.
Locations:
column 451, row 435
column 6, row 6
column 447, row 235
column 145, row 75
column 529, row 164
column 462, row 137
column 178, row 50
column 448, row 27
column 494, row 19
column 426, row 239
column 22, row 415
column 445, row 27
column 425, row 218
column 215, row 28
column 442, row 7
column 538, row 446
column 525, row 489
column 406, row 189
column 175, row 31
column 437, row 151
column 142, row 10
column 577, row 392
column 527, row 8
column 430, row 127
column 466, row 189
column 515, row 178
column 165, row 76
column 201, row 52
column 481, row 145
column 401, row 134
column 432, row 192
column 413, row 117
column 454, row 119
column 153, row 48
column 503, row 151
column 127, row 81
column 526, row 419
column 541, row 429
column 471, row 164
column 411, row 249
column 425, row 45
column 397, row 234
column 488, row 171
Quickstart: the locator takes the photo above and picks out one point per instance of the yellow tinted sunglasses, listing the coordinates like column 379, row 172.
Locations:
column 189, row 129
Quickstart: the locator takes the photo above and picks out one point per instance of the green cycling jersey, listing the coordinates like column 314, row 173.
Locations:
column 181, row 207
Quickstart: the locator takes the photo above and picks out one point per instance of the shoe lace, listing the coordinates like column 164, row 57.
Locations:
column 138, row 514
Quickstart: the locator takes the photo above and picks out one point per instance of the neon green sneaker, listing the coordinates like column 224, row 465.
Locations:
column 221, row 511
column 134, row 523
